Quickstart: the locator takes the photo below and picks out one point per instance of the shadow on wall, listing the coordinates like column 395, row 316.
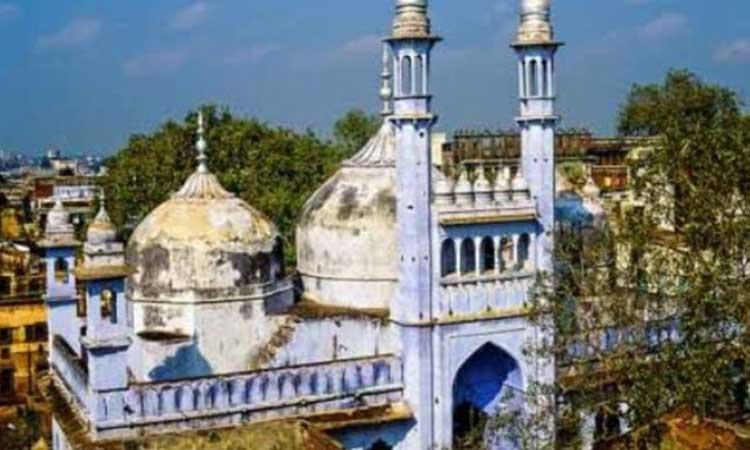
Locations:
column 188, row 362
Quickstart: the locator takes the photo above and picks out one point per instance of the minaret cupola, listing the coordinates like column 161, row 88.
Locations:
column 535, row 22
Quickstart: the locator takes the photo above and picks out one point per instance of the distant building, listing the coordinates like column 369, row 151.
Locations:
column 77, row 193
column 404, row 327
column 23, row 323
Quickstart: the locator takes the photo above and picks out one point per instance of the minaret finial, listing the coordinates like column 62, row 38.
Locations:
column 386, row 91
column 201, row 145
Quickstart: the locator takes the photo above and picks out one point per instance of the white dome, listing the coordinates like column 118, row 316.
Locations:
column 346, row 238
column 101, row 230
column 202, row 243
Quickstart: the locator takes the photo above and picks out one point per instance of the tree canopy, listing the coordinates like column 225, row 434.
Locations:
column 354, row 129
column 273, row 168
column 651, row 312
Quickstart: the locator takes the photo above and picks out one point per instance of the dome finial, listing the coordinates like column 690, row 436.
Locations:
column 386, row 91
column 101, row 230
column 201, row 145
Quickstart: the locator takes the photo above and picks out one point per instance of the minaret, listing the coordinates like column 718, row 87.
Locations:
column 102, row 275
column 59, row 251
column 536, row 48
column 411, row 44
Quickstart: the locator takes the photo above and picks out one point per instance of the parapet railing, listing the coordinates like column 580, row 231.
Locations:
column 71, row 370
column 265, row 394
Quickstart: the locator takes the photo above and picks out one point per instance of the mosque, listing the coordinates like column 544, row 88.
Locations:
column 406, row 314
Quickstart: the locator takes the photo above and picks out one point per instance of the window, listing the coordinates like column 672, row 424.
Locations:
column 6, row 336
column 524, row 243
column 7, row 386
column 61, row 270
column 468, row 257
column 406, row 78
column 448, row 258
column 4, row 285
column 419, row 80
column 36, row 332
column 533, row 78
column 545, row 79
column 108, row 305
column 5, row 354
column 506, row 253
column 41, row 331
column 488, row 255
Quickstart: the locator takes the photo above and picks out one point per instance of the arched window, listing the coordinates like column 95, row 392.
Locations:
column 406, row 78
column 448, row 258
column 419, row 79
column 524, row 242
column 545, row 79
column 468, row 257
column 533, row 78
column 488, row 255
column 506, row 253
column 61, row 270
column 522, row 78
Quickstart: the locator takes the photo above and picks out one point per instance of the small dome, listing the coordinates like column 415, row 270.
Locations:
column 101, row 230
column 58, row 219
column 58, row 231
column 346, row 237
column 203, row 240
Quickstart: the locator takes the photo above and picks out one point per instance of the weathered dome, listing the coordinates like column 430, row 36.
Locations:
column 346, row 238
column 202, row 243
column 101, row 230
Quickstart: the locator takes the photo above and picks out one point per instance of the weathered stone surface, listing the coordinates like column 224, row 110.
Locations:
column 346, row 238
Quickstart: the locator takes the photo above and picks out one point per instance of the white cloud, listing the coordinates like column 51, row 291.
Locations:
column 9, row 11
column 664, row 26
column 735, row 52
column 253, row 54
column 190, row 16
column 155, row 63
column 77, row 32
column 363, row 45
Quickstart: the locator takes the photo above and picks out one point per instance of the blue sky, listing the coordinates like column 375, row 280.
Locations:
column 82, row 75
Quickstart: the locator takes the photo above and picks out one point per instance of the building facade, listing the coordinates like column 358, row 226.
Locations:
column 23, row 323
column 406, row 319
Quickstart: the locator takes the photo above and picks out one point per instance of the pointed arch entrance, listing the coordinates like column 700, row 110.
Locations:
column 488, row 383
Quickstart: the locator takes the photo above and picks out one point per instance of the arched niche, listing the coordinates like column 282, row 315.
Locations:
column 489, row 383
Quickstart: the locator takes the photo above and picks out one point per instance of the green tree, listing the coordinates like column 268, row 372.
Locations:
column 651, row 313
column 22, row 432
column 272, row 168
column 354, row 129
